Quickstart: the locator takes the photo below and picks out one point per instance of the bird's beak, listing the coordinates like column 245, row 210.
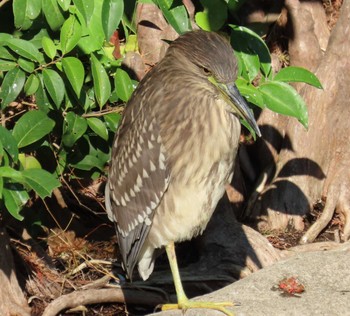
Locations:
column 239, row 105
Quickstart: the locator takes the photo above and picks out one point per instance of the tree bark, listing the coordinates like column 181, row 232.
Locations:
column 313, row 164
column 12, row 300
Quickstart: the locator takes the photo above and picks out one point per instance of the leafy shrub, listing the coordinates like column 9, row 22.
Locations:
column 59, row 65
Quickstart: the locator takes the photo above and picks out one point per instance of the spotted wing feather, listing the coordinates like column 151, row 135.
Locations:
column 138, row 178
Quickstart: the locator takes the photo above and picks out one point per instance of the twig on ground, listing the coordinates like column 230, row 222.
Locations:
column 93, row 296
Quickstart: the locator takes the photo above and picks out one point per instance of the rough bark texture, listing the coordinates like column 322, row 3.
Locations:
column 153, row 32
column 312, row 164
column 12, row 300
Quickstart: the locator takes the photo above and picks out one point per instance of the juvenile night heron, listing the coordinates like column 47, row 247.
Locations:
column 174, row 153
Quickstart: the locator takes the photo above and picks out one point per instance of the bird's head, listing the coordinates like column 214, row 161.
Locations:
column 211, row 56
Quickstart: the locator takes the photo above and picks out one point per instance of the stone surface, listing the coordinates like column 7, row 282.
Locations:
column 325, row 275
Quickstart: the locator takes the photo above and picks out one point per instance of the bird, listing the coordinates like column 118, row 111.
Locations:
column 174, row 153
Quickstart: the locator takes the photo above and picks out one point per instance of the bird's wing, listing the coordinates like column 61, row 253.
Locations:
column 138, row 178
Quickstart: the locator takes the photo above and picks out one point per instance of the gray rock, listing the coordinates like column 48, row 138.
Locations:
column 325, row 275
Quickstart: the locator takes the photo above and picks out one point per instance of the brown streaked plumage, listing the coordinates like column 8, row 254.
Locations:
column 175, row 150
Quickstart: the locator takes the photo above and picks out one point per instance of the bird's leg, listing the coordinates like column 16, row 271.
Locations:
column 180, row 293
column 182, row 301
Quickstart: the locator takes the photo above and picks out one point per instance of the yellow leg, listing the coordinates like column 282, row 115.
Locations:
column 183, row 302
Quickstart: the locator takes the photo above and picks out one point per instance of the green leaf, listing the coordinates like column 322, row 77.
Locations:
column 74, row 71
column 70, row 34
column 93, row 38
column 28, row 162
column 112, row 12
column 42, row 100
column 112, row 121
column 282, row 98
column 89, row 162
column 1, row 187
column 102, row 86
column 25, row 49
column 98, row 127
column 9, row 143
column 75, row 128
column 64, row 4
column 6, row 65
column 86, row 8
column 4, row 37
column 11, row 86
column 33, row 8
column 123, row 85
column 5, row 54
column 19, row 13
column 131, row 44
column 2, row 153
column 297, row 74
column 37, row 39
column 15, row 197
column 250, row 92
column 24, row 12
column 54, row 85
column 234, row 5
column 31, row 85
column 213, row 16
column 53, row 14
column 249, row 65
column 176, row 15
column 8, row 172
column 49, row 47
column 26, row 64
column 249, row 46
column 31, row 127
column 41, row 181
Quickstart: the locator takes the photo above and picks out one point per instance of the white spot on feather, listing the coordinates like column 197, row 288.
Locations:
column 148, row 221
column 136, row 188
column 152, row 166
column 138, row 182
column 161, row 161
column 144, row 173
column 148, row 210
column 153, row 205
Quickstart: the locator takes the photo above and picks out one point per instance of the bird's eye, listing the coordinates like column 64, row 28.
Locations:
column 206, row 71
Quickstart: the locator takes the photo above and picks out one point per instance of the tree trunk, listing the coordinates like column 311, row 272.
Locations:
column 12, row 300
column 313, row 164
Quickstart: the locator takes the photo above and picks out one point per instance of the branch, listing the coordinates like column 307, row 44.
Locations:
column 3, row 2
column 112, row 295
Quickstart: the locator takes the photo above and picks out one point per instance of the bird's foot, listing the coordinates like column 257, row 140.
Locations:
column 187, row 304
